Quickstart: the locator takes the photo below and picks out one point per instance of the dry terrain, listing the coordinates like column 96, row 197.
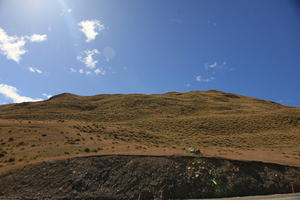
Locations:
column 219, row 124
column 147, row 177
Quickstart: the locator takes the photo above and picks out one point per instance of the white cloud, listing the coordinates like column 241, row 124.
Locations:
column 211, row 66
column 11, row 92
column 13, row 46
column 108, row 53
column 217, row 65
column 91, row 28
column 88, row 59
column 37, row 38
column 188, row 85
column 35, row 70
column 73, row 70
column 202, row 79
column 99, row 71
column 47, row 95
column 89, row 72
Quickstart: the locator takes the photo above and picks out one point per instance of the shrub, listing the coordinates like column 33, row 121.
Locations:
column 21, row 143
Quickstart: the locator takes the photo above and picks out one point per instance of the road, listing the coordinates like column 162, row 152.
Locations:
column 295, row 196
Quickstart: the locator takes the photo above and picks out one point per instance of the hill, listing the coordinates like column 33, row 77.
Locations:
column 113, row 108
column 218, row 123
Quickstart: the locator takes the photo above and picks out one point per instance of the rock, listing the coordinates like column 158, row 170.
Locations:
column 193, row 150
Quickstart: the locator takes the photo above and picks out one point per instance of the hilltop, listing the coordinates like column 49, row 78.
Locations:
column 120, row 107
column 218, row 123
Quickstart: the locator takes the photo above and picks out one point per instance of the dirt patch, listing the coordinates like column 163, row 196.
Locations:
column 147, row 177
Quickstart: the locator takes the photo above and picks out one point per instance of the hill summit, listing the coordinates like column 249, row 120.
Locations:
column 122, row 107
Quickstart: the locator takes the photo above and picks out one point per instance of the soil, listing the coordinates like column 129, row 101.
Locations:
column 147, row 177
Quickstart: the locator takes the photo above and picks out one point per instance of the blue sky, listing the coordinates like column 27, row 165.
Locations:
column 89, row 47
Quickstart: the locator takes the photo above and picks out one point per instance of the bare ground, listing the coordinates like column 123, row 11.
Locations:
column 147, row 177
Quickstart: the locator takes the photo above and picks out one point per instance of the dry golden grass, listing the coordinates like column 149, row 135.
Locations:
column 70, row 125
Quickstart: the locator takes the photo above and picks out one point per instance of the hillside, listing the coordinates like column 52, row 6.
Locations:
column 218, row 123
column 116, row 108
column 112, row 177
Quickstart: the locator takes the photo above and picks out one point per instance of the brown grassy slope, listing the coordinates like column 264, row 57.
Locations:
column 210, row 112
column 108, row 108
column 67, row 124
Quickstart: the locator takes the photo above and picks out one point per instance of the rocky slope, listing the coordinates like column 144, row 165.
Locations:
column 147, row 177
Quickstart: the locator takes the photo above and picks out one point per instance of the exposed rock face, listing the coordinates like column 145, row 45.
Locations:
column 148, row 177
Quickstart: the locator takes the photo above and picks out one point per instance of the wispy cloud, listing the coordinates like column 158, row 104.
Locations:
column 99, row 72
column 200, row 78
column 88, row 59
column 96, row 71
column 217, row 66
column 12, row 93
column 13, row 46
column 73, row 70
column 34, row 70
column 91, row 28
column 47, row 95
column 88, row 72
column 212, row 68
column 108, row 53
column 212, row 23
column 66, row 11
column 211, row 65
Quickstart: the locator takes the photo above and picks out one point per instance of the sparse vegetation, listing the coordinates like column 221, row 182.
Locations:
column 21, row 144
column 140, row 123
column 11, row 160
